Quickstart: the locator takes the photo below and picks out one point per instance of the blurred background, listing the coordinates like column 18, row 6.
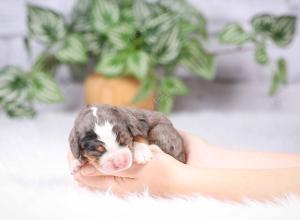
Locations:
column 227, row 71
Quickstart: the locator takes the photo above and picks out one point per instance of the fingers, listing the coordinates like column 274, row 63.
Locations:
column 90, row 170
column 102, row 183
column 85, row 170
column 70, row 158
column 118, row 185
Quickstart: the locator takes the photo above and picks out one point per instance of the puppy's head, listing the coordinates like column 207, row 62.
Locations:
column 103, row 137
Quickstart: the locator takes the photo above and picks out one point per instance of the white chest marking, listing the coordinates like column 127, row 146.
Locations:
column 105, row 133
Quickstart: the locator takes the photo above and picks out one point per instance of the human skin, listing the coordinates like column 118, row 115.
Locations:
column 210, row 171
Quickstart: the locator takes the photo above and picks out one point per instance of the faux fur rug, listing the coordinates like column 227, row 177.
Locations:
column 35, row 181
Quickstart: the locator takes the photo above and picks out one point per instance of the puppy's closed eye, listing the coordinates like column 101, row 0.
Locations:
column 94, row 153
column 96, row 150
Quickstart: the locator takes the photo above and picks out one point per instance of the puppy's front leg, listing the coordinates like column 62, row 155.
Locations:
column 141, row 153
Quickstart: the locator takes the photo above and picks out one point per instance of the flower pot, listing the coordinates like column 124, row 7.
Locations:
column 118, row 91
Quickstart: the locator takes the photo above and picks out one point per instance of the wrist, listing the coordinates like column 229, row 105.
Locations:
column 183, row 180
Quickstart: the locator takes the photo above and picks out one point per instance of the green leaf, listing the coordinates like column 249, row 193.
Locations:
column 163, row 20
column 147, row 86
column 200, row 20
column 187, row 29
column 73, row 50
column 189, row 15
column 138, row 64
column 80, row 19
column 105, row 14
column 261, row 55
column 167, row 47
column 107, row 50
column 45, row 25
column 44, row 62
column 141, row 12
column 283, row 30
column 111, row 65
column 121, row 35
column 165, row 103
column 176, row 6
column 157, row 25
column 196, row 59
column 92, row 42
column 172, row 85
column 45, row 89
column 279, row 76
column 127, row 16
column 13, row 85
column 233, row 34
column 17, row 111
column 263, row 24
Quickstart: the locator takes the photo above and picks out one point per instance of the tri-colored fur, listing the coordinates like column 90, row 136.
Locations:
column 118, row 131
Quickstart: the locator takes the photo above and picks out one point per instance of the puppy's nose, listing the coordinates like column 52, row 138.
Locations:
column 120, row 161
column 116, row 161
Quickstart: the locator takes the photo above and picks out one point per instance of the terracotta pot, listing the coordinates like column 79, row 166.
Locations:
column 118, row 91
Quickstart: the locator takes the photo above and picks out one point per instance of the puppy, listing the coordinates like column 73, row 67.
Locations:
column 112, row 138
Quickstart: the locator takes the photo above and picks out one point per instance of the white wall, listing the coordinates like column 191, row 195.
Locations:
column 238, row 66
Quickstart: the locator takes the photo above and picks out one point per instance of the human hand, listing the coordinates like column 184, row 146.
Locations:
column 161, row 176
column 198, row 151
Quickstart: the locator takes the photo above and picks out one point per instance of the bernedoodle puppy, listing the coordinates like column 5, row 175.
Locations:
column 112, row 138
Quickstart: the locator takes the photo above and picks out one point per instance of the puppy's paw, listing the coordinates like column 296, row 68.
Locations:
column 142, row 154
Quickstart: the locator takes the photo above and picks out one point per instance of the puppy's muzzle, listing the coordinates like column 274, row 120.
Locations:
column 115, row 161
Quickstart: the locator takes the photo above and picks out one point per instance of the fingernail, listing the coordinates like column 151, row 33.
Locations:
column 88, row 170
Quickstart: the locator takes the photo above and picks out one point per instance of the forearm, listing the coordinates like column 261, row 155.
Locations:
column 236, row 184
column 217, row 157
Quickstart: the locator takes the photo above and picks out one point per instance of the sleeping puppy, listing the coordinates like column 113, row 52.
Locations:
column 112, row 138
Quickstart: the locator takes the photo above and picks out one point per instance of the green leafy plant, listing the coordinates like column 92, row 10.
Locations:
column 266, row 29
column 19, row 89
column 139, row 38
column 148, row 40
column 134, row 37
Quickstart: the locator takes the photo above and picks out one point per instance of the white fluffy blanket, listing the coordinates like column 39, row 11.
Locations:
column 35, row 181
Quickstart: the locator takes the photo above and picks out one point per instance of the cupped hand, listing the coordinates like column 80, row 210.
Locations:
column 158, row 176
column 162, row 176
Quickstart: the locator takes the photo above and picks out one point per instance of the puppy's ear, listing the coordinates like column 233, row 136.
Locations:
column 74, row 143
